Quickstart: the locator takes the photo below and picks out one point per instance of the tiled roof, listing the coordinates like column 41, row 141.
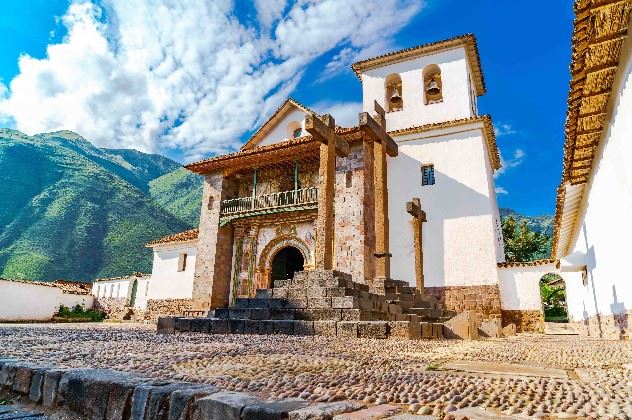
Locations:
column 136, row 274
column 468, row 41
column 69, row 287
column 258, row 156
column 599, row 31
column 186, row 236
column 509, row 264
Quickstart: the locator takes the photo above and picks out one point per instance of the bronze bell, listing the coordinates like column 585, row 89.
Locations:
column 433, row 88
column 396, row 98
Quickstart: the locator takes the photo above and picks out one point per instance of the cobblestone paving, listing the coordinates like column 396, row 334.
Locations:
column 372, row 371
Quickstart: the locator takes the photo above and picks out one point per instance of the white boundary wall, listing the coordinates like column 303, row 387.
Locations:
column 21, row 301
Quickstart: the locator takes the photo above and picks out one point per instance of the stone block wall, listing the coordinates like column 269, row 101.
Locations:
column 114, row 308
column 610, row 327
column 211, row 284
column 354, row 236
column 524, row 320
column 166, row 307
column 484, row 299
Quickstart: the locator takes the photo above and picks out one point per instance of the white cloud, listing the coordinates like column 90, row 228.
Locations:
column 164, row 76
column 503, row 129
column 516, row 160
column 345, row 113
column 501, row 190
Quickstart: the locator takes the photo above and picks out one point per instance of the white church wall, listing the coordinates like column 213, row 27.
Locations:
column 520, row 286
column 21, row 301
column 166, row 281
column 459, row 237
column 605, row 222
column 455, row 76
column 281, row 131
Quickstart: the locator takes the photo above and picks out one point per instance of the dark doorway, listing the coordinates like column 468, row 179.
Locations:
column 132, row 299
column 286, row 262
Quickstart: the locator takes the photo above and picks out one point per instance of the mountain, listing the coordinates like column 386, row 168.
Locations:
column 179, row 192
column 542, row 224
column 73, row 211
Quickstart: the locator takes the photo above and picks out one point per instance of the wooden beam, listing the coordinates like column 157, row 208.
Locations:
column 369, row 126
column 322, row 129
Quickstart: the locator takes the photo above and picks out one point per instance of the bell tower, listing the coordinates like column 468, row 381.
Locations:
column 432, row 83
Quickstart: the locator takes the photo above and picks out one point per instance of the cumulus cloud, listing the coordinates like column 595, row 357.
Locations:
column 504, row 129
column 516, row 160
column 501, row 190
column 187, row 78
column 345, row 113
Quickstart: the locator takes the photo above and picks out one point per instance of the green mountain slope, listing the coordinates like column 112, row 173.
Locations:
column 543, row 224
column 70, row 210
column 180, row 192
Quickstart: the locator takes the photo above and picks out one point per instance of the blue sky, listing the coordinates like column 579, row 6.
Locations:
column 524, row 49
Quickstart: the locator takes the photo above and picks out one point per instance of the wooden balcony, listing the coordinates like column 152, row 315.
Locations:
column 301, row 199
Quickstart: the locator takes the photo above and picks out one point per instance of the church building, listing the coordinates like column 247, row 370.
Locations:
column 408, row 193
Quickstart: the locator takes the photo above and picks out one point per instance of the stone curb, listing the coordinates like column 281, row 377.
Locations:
column 113, row 395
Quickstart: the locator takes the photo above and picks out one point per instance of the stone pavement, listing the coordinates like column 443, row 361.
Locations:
column 409, row 375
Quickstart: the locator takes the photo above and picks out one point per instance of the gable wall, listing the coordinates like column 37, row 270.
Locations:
column 280, row 132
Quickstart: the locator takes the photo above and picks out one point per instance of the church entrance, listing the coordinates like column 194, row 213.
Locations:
column 286, row 262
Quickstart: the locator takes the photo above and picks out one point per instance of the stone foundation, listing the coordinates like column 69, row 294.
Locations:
column 166, row 307
column 610, row 327
column 114, row 308
column 525, row 321
column 484, row 299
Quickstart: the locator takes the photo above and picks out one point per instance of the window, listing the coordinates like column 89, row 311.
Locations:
column 146, row 288
column 427, row 175
column 182, row 262
column 433, row 88
column 349, row 179
column 393, row 90
column 294, row 129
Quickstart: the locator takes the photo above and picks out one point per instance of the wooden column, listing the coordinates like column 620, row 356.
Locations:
column 419, row 217
column 330, row 145
column 384, row 145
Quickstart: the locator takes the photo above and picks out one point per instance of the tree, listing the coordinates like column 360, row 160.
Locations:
column 521, row 243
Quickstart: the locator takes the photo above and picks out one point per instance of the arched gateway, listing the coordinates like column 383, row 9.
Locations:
column 286, row 262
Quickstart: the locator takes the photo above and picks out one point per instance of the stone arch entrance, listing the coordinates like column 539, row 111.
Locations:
column 264, row 269
column 553, row 296
column 286, row 262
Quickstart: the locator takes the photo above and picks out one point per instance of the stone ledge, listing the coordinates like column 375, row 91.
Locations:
column 110, row 394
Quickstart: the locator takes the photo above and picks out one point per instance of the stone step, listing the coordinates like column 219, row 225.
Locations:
column 342, row 329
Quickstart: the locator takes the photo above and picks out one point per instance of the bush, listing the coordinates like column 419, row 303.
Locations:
column 79, row 312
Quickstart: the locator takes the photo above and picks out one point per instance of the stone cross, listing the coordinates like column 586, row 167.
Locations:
column 384, row 144
column 419, row 217
column 331, row 145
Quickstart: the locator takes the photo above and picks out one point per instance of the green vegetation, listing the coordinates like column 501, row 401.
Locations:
column 5, row 401
column 522, row 243
column 79, row 312
column 542, row 225
column 72, row 211
column 180, row 192
column 553, row 298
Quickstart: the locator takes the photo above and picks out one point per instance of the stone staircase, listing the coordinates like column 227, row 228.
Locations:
column 328, row 303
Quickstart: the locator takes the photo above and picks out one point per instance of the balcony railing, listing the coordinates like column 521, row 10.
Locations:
column 276, row 200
